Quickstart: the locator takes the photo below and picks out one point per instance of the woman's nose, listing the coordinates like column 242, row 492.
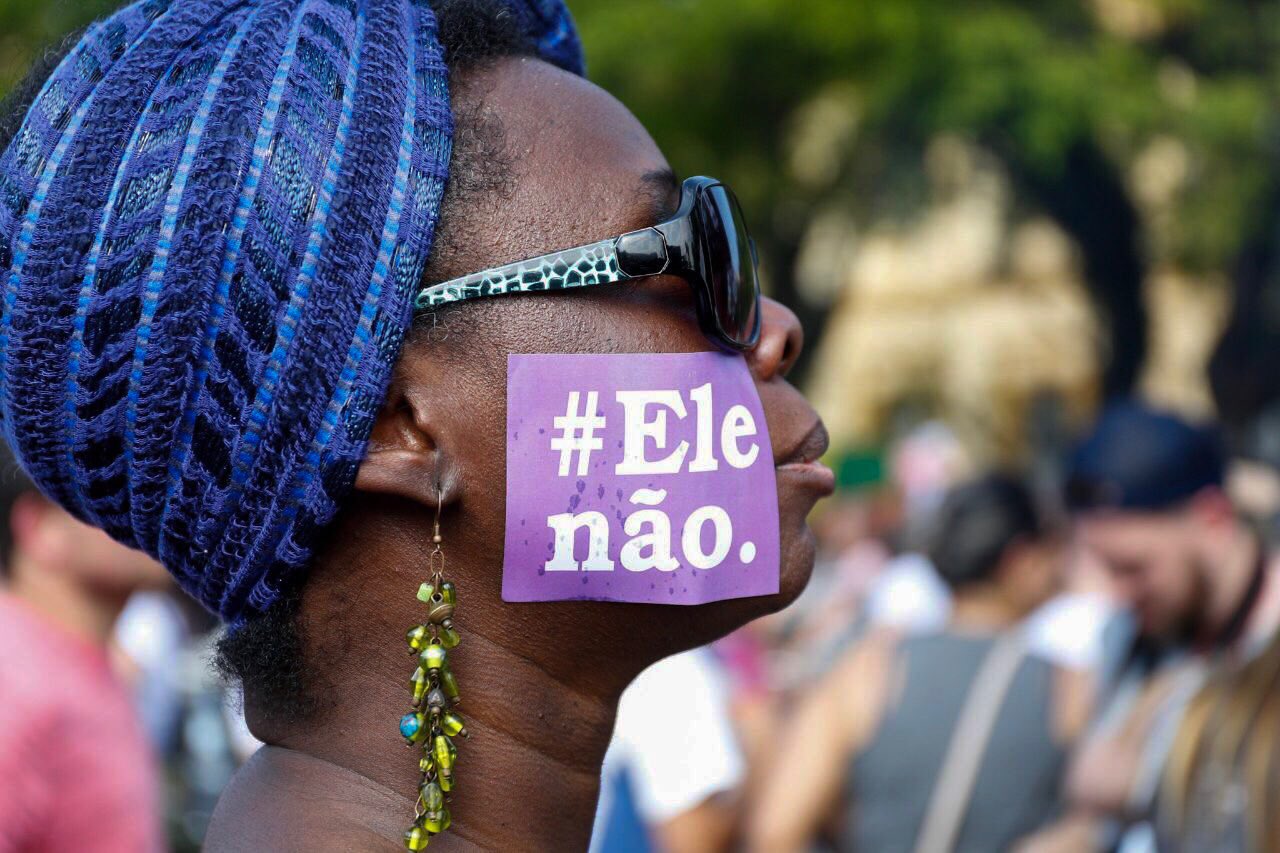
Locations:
column 781, row 340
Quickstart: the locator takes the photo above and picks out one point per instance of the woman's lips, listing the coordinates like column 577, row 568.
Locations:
column 815, row 475
column 802, row 462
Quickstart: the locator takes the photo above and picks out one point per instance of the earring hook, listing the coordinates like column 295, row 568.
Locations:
column 436, row 559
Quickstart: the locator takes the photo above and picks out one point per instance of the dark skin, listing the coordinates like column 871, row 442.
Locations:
column 540, row 682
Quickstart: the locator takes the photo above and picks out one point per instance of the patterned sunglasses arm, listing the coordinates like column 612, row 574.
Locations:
column 584, row 266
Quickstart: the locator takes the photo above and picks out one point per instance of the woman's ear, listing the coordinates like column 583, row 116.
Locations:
column 404, row 456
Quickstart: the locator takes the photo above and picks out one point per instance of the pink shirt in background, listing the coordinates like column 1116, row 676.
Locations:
column 76, row 772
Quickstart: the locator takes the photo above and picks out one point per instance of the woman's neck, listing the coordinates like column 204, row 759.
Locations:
column 527, row 777
column 77, row 607
column 983, row 610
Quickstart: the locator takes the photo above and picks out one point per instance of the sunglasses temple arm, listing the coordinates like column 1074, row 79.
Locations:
column 583, row 266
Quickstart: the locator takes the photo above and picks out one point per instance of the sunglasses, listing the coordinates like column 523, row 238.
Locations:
column 706, row 243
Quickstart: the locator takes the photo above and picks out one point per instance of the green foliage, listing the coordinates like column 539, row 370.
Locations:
column 719, row 82
column 30, row 26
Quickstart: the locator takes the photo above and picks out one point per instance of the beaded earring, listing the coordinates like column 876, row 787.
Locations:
column 433, row 723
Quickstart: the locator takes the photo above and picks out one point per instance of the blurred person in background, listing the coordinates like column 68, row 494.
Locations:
column 673, row 774
column 953, row 740
column 1221, row 788
column 1147, row 491
column 77, row 770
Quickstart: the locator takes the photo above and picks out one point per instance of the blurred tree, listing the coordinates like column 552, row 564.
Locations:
column 30, row 26
column 1067, row 93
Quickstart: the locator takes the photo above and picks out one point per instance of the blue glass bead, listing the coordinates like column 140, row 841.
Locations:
column 411, row 726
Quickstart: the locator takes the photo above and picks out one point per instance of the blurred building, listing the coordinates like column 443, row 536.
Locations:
column 976, row 311
column 969, row 311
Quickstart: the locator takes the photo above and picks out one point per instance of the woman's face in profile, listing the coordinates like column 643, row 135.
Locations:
column 583, row 169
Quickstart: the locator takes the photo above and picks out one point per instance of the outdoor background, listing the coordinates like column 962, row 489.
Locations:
column 991, row 212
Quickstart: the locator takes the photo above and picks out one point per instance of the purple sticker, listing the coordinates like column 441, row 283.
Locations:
column 645, row 478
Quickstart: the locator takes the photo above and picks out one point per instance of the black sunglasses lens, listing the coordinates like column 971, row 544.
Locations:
column 735, row 286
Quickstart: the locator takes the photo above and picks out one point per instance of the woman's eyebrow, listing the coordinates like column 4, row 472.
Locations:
column 662, row 189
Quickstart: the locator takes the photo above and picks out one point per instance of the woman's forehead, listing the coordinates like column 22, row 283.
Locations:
column 584, row 167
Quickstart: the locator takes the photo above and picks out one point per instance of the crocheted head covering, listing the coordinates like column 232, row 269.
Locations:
column 211, row 222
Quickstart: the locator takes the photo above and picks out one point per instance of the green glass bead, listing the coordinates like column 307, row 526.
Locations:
column 420, row 682
column 416, row 838
column 449, row 684
column 444, row 751
column 448, row 592
column 432, row 658
column 418, row 637
column 432, row 797
column 452, row 725
column 446, row 780
column 436, row 822
column 449, row 637
column 425, row 592
column 427, row 763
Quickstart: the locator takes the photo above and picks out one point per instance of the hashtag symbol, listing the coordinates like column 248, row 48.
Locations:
column 578, row 433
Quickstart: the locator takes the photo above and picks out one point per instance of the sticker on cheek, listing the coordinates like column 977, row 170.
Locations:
column 642, row 478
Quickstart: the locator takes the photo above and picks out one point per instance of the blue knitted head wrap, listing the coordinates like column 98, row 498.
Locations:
column 211, row 222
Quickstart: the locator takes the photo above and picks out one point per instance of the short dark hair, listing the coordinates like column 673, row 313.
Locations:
column 978, row 522
column 266, row 654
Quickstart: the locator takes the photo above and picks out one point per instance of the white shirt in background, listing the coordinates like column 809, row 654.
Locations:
column 674, row 738
column 909, row 596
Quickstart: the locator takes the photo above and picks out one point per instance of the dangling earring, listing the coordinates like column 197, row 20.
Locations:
column 433, row 722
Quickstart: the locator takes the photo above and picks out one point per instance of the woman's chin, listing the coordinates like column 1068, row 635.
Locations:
column 798, row 554
column 793, row 576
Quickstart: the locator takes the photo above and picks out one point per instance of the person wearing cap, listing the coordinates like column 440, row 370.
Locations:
column 242, row 248
column 1146, row 491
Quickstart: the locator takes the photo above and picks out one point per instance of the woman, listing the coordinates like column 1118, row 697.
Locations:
column 217, row 218
column 875, row 752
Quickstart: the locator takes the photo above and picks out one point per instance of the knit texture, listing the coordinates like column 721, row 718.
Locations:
column 212, row 222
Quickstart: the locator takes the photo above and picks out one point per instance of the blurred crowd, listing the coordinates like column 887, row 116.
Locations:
column 1080, row 657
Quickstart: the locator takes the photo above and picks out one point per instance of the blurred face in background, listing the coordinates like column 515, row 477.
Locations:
column 51, row 540
column 1157, row 564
